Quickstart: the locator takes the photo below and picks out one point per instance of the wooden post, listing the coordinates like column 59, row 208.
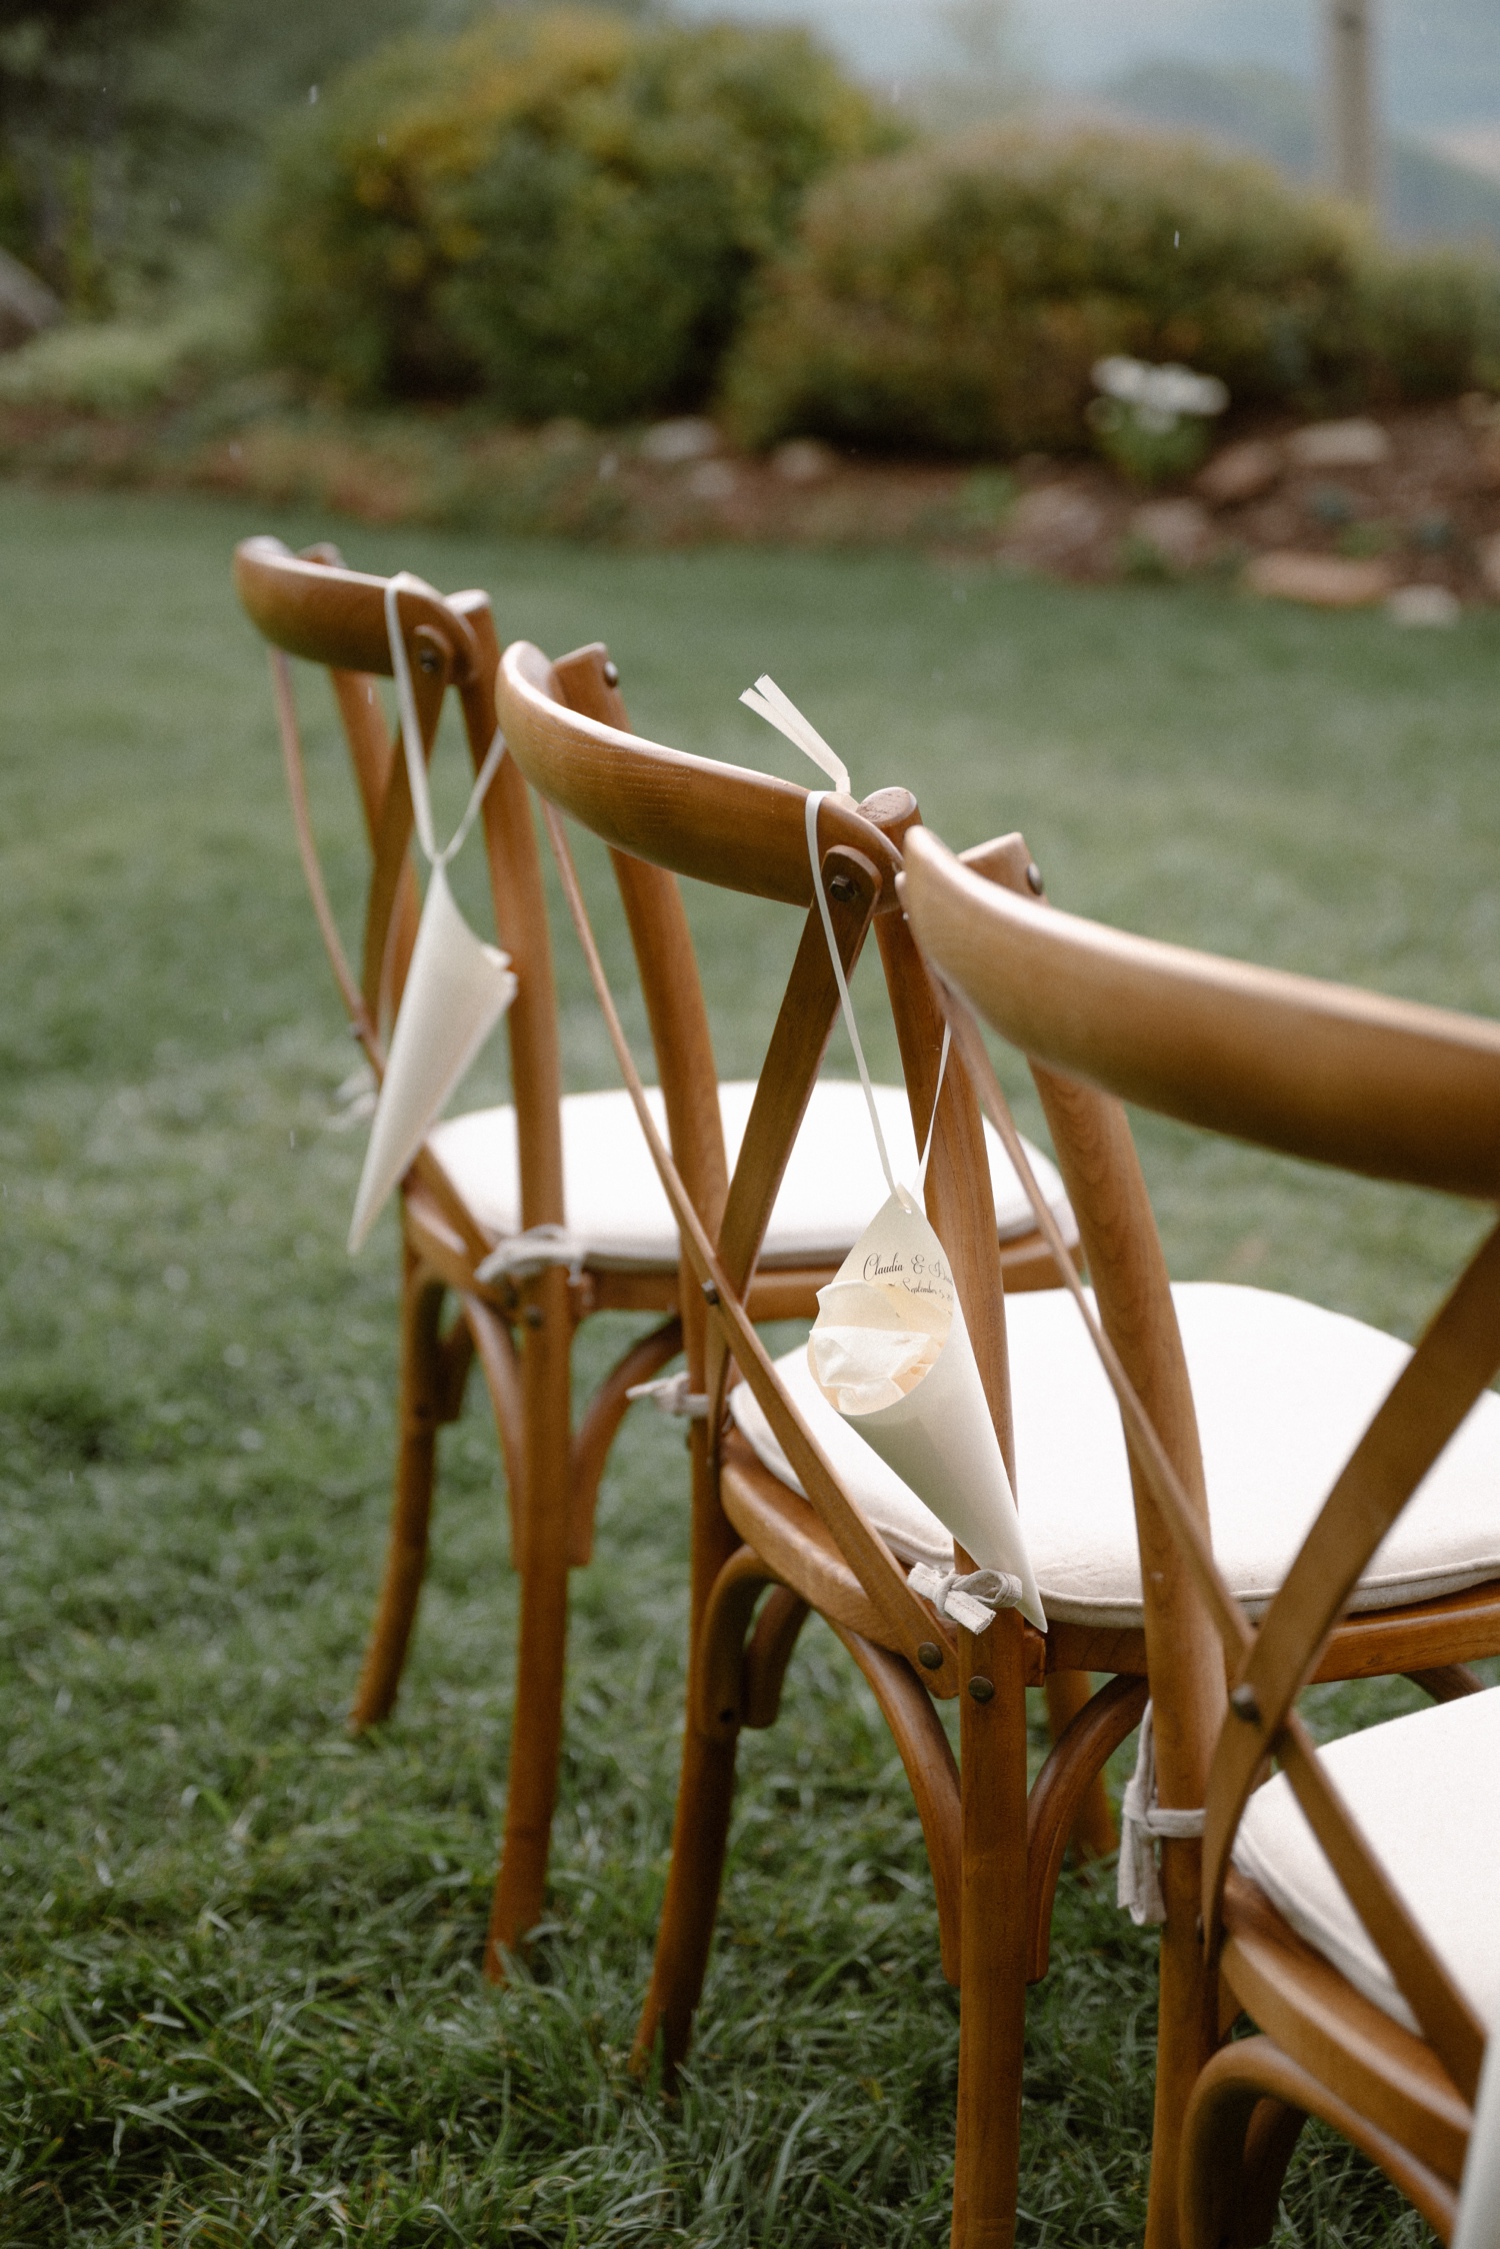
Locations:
column 1351, row 154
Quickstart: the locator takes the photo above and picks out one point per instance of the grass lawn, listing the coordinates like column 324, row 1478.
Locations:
column 239, row 1998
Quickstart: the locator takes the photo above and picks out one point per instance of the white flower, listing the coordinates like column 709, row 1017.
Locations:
column 1160, row 396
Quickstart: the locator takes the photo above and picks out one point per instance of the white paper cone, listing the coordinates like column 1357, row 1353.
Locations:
column 912, row 1389
column 457, row 989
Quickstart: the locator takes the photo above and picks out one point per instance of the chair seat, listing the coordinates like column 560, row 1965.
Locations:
column 1422, row 1790
column 1283, row 1391
column 616, row 1205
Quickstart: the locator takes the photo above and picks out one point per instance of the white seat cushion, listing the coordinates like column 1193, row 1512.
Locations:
column 1424, row 1790
column 615, row 1202
column 1283, row 1391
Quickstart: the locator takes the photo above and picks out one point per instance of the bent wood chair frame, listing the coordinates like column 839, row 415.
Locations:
column 763, row 1558
column 1377, row 1087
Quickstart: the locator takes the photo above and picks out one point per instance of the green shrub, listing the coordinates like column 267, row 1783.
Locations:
column 954, row 298
column 559, row 212
column 128, row 366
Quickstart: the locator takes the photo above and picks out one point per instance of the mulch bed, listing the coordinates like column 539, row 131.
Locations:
column 1427, row 513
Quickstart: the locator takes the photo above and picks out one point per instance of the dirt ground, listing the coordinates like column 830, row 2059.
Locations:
column 1340, row 513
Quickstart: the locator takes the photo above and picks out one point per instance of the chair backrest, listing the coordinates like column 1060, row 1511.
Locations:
column 664, row 813
column 312, row 607
column 1376, row 1086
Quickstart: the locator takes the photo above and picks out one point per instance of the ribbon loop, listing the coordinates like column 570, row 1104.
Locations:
column 971, row 1600
column 527, row 1254
column 411, row 735
column 1142, row 1823
column 672, row 1394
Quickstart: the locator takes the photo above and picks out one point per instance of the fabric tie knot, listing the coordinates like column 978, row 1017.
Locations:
column 970, row 1600
column 1142, row 1823
column 674, row 1395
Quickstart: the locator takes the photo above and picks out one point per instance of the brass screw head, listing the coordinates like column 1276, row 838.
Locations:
column 710, row 1293
column 981, row 1689
column 534, row 1316
column 1245, row 1703
column 930, row 1656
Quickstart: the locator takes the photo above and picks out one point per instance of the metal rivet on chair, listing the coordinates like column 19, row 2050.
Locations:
column 930, row 1656
column 1034, row 877
column 1245, row 1703
column 429, row 661
column 710, row 1293
column 982, row 1689
column 844, row 888
column 611, row 673
column 535, row 1316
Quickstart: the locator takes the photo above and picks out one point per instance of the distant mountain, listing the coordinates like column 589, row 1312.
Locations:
column 1439, row 59
column 1425, row 195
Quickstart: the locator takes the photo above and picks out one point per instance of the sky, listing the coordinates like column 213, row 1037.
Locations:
column 1439, row 59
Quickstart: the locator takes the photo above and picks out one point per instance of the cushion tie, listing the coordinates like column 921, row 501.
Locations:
column 1142, row 1821
column 532, row 1252
column 672, row 1394
column 970, row 1600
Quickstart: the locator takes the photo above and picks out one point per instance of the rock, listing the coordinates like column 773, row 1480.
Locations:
column 713, row 480
column 688, row 437
column 1487, row 461
column 1179, row 531
column 1358, row 444
column 1240, row 472
column 1487, row 555
column 27, row 305
column 803, row 460
column 1423, row 605
column 1325, row 581
column 1056, row 522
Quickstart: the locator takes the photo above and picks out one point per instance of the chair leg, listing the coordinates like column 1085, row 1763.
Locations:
column 542, row 1519
column 1186, row 2033
column 700, row 1836
column 535, row 1752
column 422, row 1399
column 705, row 1794
column 992, row 1985
column 1094, row 1835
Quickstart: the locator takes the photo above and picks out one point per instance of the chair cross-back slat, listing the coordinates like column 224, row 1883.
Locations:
column 663, row 944
column 375, row 755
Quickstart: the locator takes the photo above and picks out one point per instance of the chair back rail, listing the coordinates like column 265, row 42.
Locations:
column 1196, row 1038
column 737, row 829
column 1380, row 1086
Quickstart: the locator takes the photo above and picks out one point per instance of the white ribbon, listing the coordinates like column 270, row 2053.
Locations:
column 767, row 701
column 1142, row 1822
column 674, row 1395
column 532, row 1252
column 971, row 1600
column 411, row 736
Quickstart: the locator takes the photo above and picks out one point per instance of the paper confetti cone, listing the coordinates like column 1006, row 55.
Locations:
column 457, row 989
column 890, row 1351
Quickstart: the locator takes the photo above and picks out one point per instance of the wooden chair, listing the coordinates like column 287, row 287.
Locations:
column 575, row 1164
column 1346, row 1907
column 829, row 1541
